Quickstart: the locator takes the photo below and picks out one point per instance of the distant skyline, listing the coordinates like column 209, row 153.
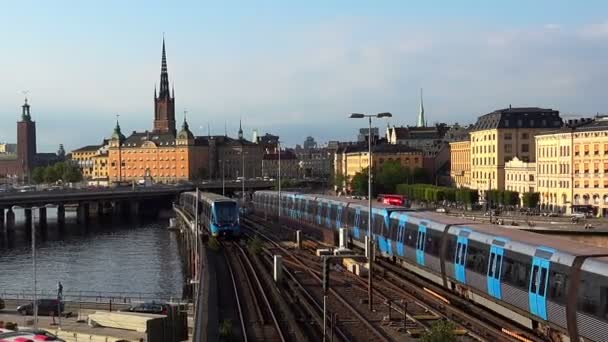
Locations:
column 295, row 69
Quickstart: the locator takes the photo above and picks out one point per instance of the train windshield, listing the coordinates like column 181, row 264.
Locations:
column 226, row 212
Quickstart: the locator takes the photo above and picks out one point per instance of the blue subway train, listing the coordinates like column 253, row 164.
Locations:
column 218, row 215
column 555, row 286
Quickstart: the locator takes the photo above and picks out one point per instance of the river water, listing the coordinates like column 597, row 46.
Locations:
column 107, row 257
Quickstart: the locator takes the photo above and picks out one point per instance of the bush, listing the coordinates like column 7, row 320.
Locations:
column 255, row 245
column 441, row 331
column 531, row 199
column 213, row 244
column 226, row 330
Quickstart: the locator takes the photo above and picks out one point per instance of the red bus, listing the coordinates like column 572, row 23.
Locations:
column 391, row 199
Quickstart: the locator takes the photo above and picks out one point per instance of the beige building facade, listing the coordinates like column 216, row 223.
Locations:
column 498, row 137
column 460, row 163
column 520, row 176
column 554, row 170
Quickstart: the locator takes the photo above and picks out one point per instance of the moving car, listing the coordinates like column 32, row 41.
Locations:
column 149, row 307
column 45, row 307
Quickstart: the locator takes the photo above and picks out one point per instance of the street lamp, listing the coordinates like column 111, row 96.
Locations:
column 369, row 243
column 279, row 178
column 35, row 302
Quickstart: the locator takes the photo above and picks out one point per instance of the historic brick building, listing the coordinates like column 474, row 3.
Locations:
column 18, row 166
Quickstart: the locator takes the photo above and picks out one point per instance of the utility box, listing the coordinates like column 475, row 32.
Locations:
column 323, row 251
column 343, row 238
column 278, row 268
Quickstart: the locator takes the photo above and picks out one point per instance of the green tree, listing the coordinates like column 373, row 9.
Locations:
column 531, row 199
column 71, row 174
column 420, row 176
column 50, row 175
column 359, row 183
column 391, row 174
column 441, row 331
column 510, row 197
column 38, row 175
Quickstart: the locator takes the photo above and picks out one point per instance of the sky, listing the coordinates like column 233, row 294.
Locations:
column 294, row 68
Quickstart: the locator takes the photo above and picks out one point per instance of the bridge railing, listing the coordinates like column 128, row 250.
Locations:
column 90, row 296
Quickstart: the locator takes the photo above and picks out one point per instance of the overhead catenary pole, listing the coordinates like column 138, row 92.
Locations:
column 369, row 217
column 279, row 177
column 34, row 269
column 370, row 241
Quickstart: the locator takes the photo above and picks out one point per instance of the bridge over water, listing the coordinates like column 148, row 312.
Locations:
column 119, row 200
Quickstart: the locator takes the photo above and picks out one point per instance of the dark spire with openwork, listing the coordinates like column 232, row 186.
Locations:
column 164, row 75
column 164, row 104
column 240, row 130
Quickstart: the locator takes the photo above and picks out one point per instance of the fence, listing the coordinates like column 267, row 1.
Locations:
column 91, row 296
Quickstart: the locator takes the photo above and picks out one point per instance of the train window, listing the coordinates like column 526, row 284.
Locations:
column 558, row 283
column 491, row 266
column 498, row 266
column 476, row 257
column 411, row 236
column 350, row 218
column 543, row 282
column 534, row 284
column 377, row 223
column 433, row 242
column 516, row 270
column 604, row 300
column 394, row 229
column 450, row 250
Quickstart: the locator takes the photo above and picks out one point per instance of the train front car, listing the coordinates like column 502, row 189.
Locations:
column 220, row 215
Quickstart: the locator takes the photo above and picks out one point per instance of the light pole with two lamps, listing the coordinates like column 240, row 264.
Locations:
column 33, row 227
column 369, row 242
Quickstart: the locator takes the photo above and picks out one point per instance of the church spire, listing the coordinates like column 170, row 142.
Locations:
column 25, row 114
column 421, row 121
column 240, row 130
column 164, row 75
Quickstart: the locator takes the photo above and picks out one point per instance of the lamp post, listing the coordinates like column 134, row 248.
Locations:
column 35, row 280
column 369, row 246
column 243, row 175
column 279, row 179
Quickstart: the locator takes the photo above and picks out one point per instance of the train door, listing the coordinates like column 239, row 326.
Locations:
column 420, row 242
column 328, row 207
column 356, row 223
column 460, row 258
column 386, row 232
column 497, row 253
column 319, row 212
column 401, row 235
column 538, row 282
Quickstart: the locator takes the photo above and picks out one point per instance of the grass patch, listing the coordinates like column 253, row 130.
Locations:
column 214, row 244
column 254, row 245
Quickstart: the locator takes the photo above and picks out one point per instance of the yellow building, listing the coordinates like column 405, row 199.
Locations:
column 554, row 170
column 500, row 136
column 572, row 167
column 520, row 176
column 460, row 163
column 353, row 159
column 92, row 160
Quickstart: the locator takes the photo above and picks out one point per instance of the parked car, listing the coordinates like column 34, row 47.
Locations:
column 149, row 307
column 26, row 334
column 45, row 307
column 441, row 210
column 578, row 215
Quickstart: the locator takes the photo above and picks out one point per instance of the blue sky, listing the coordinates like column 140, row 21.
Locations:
column 295, row 69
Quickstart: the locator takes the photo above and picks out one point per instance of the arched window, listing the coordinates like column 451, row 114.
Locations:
column 585, row 199
column 596, row 199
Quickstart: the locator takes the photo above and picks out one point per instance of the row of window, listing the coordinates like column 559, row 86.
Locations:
column 586, row 149
column 553, row 183
column 484, row 161
column 484, row 175
column 551, row 151
column 585, row 184
column 551, row 168
column 520, row 189
column 525, row 148
column 585, row 199
column 520, row 177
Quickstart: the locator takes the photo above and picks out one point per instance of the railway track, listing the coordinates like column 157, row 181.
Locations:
column 353, row 324
column 425, row 307
column 257, row 317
